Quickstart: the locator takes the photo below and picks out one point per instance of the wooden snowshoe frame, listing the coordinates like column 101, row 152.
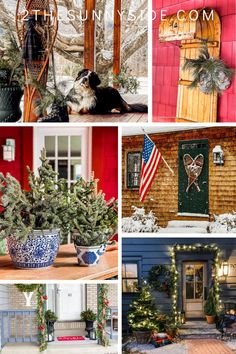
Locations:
column 193, row 105
column 36, row 70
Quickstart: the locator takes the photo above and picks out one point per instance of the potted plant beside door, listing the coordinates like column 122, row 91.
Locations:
column 210, row 307
column 31, row 220
column 11, row 81
column 93, row 221
column 88, row 317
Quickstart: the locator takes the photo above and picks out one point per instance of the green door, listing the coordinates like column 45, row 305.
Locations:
column 193, row 177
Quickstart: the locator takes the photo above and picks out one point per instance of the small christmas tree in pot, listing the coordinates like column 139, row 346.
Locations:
column 210, row 307
column 142, row 317
column 31, row 220
column 93, row 221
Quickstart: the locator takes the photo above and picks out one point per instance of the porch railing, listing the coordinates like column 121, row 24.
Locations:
column 18, row 326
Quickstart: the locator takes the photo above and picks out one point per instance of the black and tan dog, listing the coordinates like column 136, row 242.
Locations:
column 90, row 98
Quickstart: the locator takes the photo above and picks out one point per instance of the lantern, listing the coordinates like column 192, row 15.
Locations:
column 225, row 268
column 92, row 334
column 218, row 155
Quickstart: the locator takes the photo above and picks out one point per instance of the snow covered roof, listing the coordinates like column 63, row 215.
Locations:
column 163, row 128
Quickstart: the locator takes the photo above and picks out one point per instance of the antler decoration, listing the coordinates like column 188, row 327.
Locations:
column 193, row 168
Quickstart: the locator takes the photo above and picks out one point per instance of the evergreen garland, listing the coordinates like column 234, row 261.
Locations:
column 143, row 312
column 27, row 288
column 209, row 74
column 102, row 314
column 42, row 326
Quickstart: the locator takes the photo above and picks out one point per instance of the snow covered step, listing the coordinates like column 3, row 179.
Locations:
column 186, row 226
column 188, row 223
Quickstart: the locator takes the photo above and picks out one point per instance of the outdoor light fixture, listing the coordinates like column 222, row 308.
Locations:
column 9, row 150
column 225, row 268
column 218, row 155
column 92, row 334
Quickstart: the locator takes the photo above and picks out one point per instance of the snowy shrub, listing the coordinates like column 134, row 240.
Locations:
column 140, row 221
column 224, row 223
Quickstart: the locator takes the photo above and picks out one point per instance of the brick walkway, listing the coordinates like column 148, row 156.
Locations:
column 207, row 346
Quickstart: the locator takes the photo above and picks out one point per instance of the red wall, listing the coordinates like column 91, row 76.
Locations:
column 104, row 156
column 166, row 59
column 24, row 152
column 105, row 159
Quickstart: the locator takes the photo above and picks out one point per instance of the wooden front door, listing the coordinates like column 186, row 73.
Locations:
column 193, row 177
column 194, row 284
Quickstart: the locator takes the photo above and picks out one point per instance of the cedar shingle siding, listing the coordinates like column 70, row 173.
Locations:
column 163, row 195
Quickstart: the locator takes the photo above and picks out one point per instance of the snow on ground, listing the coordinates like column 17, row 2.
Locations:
column 224, row 223
column 140, row 221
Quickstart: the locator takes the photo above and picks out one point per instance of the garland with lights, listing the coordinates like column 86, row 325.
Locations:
column 103, row 304
column 196, row 248
column 42, row 327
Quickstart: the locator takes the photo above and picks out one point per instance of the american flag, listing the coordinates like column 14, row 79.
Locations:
column 151, row 159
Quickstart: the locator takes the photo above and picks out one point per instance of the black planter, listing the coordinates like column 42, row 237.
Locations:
column 5, row 75
column 10, row 97
column 89, row 324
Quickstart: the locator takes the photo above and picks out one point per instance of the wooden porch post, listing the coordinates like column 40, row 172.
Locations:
column 89, row 35
column 117, row 37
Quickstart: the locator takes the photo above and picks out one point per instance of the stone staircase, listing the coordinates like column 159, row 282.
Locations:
column 186, row 226
column 198, row 330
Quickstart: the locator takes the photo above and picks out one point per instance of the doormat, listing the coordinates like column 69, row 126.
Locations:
column 70, row 338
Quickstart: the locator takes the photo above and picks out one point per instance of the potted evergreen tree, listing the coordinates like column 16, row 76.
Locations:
column 142, row 317
column 210, row 308
column 93, row 221
column 11, row 81
column 88, row 317
column 31, row 220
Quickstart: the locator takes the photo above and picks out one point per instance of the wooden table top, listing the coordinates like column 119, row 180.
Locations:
column 65, row 267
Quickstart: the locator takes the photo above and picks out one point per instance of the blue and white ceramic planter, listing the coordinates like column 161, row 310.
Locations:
column 38, row 251
column 88, row 256
column 103, row 249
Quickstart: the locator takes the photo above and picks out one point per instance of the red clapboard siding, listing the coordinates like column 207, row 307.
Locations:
column 166, row 56
column 23, row 153
column 105, row 159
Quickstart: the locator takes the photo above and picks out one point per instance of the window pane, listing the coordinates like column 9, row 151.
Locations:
column 75, row 169
column 131, row 270
column 75, row 146
column 133, row 169
column 189, row 291
column 50, row 146
column 199, row 272
column 63, row 168
column 63, row 146
column 123, row 271
column 190, row 273
column 130, row 285
column 52, row 163
column 199, row 291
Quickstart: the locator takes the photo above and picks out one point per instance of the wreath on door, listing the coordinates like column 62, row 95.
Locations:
column 160, row 278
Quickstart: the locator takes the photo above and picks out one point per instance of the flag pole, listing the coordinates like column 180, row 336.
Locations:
column 161, row 154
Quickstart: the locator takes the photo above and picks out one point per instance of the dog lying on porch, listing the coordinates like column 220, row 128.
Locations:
column 89, row 98
column 83, row 96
